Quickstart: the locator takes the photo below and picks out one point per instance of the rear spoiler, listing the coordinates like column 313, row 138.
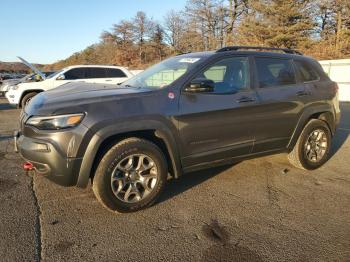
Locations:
column 36, row 70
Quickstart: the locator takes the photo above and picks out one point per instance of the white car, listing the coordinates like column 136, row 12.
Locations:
column 20, row 94
column 6, row 84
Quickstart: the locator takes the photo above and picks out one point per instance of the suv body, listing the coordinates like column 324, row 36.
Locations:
column 8, row 84
column 199, row 110
column 19, row 94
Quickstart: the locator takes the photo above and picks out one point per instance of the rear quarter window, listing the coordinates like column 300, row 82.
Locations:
column 305, row 71
column 114, row 72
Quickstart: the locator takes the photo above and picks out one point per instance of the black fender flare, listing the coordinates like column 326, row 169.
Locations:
column 326, row 112
column 27, row 91
column 162, row 131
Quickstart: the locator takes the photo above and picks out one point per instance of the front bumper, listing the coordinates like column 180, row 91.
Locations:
column 12, row 97
column 48, row 161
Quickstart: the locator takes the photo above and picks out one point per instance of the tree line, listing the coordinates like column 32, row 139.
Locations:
column 319, row 28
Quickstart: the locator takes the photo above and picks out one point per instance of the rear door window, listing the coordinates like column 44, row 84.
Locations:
column 75, row 73
column 274, row 72
column 305, row 71
column 96, row 72
column 114, row 73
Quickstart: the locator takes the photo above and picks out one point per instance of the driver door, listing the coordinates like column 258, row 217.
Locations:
column 217, row 125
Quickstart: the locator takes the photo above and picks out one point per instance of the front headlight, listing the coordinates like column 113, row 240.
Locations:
column 14, row 87
column 55, row 122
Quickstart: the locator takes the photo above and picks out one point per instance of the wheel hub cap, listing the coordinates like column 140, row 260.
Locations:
column 134, row 178
column 316, row 145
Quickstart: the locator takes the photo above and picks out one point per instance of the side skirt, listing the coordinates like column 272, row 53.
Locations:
column 232, row 160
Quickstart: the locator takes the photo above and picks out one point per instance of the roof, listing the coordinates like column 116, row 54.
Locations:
column 249, row 50
column 102, row 66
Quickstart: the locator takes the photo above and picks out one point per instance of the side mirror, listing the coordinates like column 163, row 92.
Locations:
column 61, row 77
column 200, row 85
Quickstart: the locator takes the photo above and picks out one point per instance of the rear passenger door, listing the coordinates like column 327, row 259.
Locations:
column 309, row 77
column 95, row 75
column 105, row 75
column 281, row 100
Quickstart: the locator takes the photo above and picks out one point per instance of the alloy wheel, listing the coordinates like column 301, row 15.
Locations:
column 316, row 145
column 134, row 178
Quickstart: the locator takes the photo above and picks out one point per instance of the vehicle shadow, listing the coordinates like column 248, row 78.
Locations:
column 343, row 130
column 6, row 106
column 190, row 180
column 338, row 140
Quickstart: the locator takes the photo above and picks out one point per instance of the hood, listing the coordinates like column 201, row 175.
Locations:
column 36, row 70
column 8, row 83
column 76, row 94
column 11, row 82
column 32, row 85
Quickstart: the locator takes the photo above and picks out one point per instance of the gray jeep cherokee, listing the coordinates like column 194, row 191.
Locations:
column 189, row 112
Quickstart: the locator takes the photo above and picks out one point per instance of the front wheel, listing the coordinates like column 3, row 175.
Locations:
column 130, row 176
column 313, row 146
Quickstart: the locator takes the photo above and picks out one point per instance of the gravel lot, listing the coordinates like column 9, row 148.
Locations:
column 252, row 211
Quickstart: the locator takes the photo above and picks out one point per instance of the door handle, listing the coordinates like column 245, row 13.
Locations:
column 303, row 93
column 245, row 99
column 108, row 80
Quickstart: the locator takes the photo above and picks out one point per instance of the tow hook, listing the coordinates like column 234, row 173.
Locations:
column 27, row 166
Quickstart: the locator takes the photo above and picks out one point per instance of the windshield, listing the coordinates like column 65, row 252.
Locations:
column 54, row 74
column 164, row 73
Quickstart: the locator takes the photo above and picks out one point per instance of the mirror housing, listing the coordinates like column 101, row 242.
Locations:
column 61, row 77
column 200, row 85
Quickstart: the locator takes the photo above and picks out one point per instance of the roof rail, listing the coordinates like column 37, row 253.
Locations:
column 261, row 48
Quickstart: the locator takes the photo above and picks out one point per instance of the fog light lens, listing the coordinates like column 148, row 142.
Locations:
column 40, row 147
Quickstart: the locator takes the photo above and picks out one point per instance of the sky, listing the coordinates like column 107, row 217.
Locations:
column 44, row 31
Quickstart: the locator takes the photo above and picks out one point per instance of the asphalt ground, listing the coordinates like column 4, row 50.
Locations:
column 258, row 210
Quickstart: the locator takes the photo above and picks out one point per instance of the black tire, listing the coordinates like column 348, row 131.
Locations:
column 102, row 180
column 298, row 156
column 27, row 98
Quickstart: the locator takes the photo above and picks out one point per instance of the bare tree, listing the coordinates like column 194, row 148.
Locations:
column 320, row 28
column 175, row 25
column 142, row 27
column 157, row 40
column 124, row 32
column 107, row 37
column 236, row 9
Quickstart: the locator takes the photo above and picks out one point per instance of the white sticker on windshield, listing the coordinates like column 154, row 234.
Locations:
column 189, row 60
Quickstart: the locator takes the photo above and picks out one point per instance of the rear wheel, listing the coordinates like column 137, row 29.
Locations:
column 313, row 146
column 130, row 176
column 27, row 98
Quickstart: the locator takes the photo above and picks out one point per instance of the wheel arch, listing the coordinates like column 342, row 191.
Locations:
column 25, row 92
column 324, row 113
column 105, row 138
